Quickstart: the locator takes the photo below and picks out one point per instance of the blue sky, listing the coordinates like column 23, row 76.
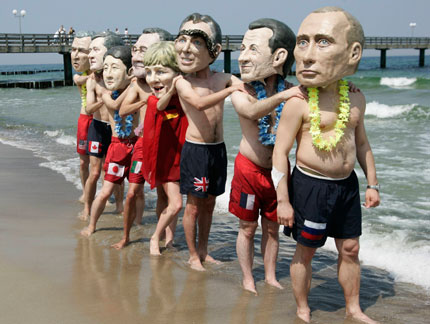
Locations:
column 378, row 17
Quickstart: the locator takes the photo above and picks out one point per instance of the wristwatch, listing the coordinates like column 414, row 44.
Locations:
column 376, row 187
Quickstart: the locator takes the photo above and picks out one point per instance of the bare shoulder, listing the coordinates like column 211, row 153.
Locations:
column 357, row 99
column 225, row 78
column 296, row 104
column 240, row 98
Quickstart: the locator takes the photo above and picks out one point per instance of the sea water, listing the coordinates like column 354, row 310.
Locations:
column 395, row 234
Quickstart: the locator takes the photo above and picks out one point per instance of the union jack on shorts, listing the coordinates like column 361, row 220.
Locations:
column 201, row 184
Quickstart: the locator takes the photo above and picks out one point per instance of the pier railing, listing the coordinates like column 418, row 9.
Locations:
column 48, row 43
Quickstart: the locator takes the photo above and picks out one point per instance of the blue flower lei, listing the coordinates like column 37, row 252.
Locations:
column 265, row 136
column 118, row 121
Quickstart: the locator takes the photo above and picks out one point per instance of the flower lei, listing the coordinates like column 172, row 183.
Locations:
column 84, row 92
column 265, row 136
column 118, row 121
column 342, row 118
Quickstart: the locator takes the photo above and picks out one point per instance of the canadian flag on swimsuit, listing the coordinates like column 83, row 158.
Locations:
column 163, row 138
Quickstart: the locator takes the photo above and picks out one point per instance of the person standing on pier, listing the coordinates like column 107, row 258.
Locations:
column 81, row 64
column 266, row 56
column 137, row 95
column 323, row 197
column 99, row 132
column 203, row 159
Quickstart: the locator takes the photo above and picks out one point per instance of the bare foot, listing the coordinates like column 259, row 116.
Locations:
column 360, row 317
column 304, row 314
column 249, row 286
column 209, row 259
column 121, row 244
column 119, row 211
column 138, row 220
column 195, row 264
column 169, row 244
column 81, row 199
column 274, row 283
column 154, row 247
column 83, row 216
column 87, row 231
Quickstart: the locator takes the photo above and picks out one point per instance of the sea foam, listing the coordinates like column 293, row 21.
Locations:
column 398, row 83
column 384, row 111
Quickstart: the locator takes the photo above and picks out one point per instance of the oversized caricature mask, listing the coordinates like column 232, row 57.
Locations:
column 138, row 50
column 192, row 47
column 323, row 52
column 79, row 54
column 114, row 73
column 256, row 61
column 97, row 52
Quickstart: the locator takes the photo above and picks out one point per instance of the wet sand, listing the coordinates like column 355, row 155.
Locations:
column 49, row 274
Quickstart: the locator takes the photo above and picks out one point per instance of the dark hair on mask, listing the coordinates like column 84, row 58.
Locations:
column 283, row 37
column 120, row 52
column 163, row 34
column 213, row 25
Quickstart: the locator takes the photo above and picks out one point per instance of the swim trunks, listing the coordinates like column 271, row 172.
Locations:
column 99, row 136
column 203, row 169
column 118, row 159
column 324, row 207
column 84, row 122
column 252, row 190
column 163, row 137
column 136, row 166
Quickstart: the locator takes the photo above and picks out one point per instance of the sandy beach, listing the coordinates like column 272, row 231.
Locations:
column 49, row 274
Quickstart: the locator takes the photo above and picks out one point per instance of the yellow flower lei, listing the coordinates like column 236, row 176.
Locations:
column 84, row 93
column 342, row 118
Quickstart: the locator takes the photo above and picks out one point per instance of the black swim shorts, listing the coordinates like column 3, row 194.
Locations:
column 324, row 207
column 203, row 169
column 99, row 137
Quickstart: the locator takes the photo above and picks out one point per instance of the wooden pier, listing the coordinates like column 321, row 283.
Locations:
column 47, row 43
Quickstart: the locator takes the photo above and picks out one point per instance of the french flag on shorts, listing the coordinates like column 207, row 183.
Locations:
column 313, row 231
column 95, row 147
column 247, row 201
column 115, row 169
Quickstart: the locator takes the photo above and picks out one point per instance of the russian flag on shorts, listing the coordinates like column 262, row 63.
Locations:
column 94, row 147
column 247, row 201
column 116, row 169
column 314, row 231
column 136, row 166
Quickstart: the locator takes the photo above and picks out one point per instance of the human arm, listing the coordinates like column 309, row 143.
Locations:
column 93, row 104
column 80, row 79
column 366, row 159
column 288, row 127
column 255, row 109
column 163, row 102
column 113, row 104
column 131, row 102
column 187, row 93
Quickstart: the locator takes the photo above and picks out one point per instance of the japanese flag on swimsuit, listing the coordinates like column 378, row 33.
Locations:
column 116, row 169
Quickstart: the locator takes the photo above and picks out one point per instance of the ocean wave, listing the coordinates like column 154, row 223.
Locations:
column 60, row 138
column 66, row 140
column 385, row 250
column 385, row 111
column 398, row 83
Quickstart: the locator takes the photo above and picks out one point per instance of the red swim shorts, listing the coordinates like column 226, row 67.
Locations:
column 84, row 122
column 136, row 167
column 252, row 191
column 118, row 159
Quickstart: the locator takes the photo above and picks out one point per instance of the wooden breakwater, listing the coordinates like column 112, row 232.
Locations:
column 29, row 72
column 42, row 84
